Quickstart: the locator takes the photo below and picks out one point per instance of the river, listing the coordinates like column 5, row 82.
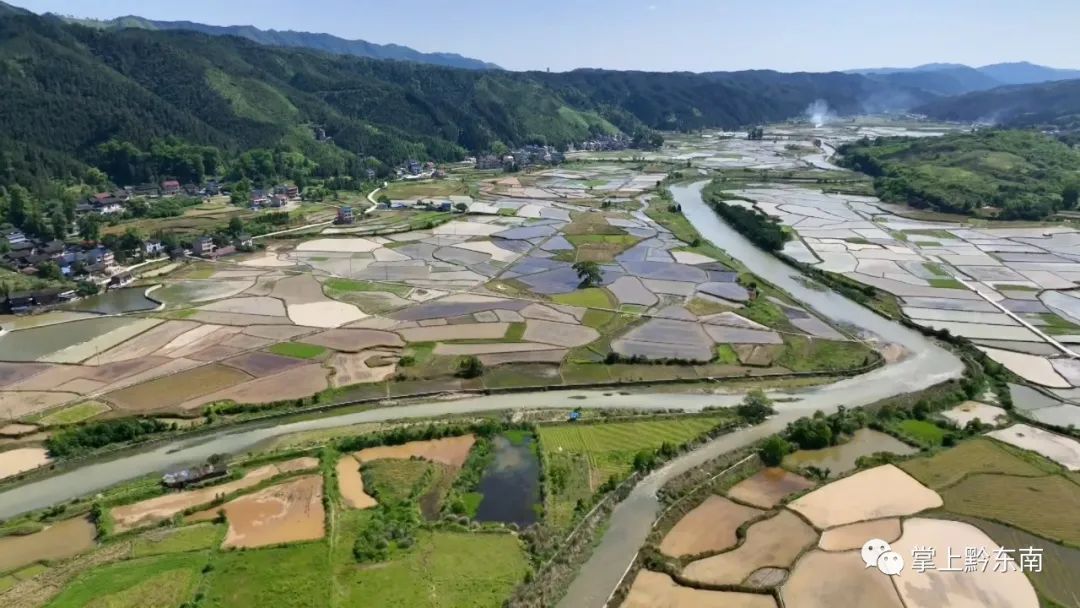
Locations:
column 927, row 365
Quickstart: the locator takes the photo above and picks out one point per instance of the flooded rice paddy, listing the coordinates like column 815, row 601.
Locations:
column 841, row 458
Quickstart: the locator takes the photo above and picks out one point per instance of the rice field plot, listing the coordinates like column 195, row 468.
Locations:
column 168, row 580
column 58, row 541
column 297, row 350
column 611, row 447
column 580, row 457
column 1057, row 581
column 336, row 286
column 75, row 413
column 296, row 576
column 1047, row 506
column 592, row 297
column 969, row 458
column 170, row 391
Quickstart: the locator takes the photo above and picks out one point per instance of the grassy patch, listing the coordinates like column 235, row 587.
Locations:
column 160, row 581
column 945, row 283
column 593, row 297
column 471, row 501
column 726, row 354
column 584, row 373
column 580, row 457
column 416, row 188
column 1034, row 504
column 921, row 431
column 351, row 286
column 297, row 350
column 1054, row 324
column 181, row 540
column 702, row 307
column 445, row 569
column 297, row 576
column 970, row 457
column 75, row 413
column 397, row 480
column 597, row 318
column 600, row 247
column 936, row 234
column 802, row 354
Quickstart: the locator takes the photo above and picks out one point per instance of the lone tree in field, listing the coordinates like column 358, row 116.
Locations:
column 755, row 407
column 588, row 272
column 470, row 367
column 774, row 449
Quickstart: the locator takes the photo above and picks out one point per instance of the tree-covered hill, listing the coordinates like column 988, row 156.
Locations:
column 1050, row 105
column 289, row 38
column 78, row 96
column 1022, row 174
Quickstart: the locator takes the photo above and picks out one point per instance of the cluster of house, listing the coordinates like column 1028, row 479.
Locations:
column 414, row 169
column 25, row 255
column 275, row 198
column 602, row 143
column 108, row 203
column 525, row 156
column 447, row 203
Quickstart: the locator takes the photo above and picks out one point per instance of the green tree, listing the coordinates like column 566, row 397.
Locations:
column 755, row 407
column 236, row 226
column 470, row 367
column 89, row 228
column 589, row 273
column 49, row 271
column 773, row 450
column 461, row 207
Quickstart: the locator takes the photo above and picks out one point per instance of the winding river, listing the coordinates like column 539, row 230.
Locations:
column 927, row 364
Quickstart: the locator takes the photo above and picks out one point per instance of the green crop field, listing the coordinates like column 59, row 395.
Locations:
column 593, row 297
column 168, row 580
column 1045, row 506
column 296, row 576
column 181, row 540
column 922, row 431
column 298, row 350
column 976, row 456
column 75, row 413
column 443, row 569
column 807, row 355
column 349, row 285
column 580, row 457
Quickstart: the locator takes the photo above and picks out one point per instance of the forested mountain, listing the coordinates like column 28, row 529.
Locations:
column 1007, row 173
column 956, row 79
column 289, row 38
column 1051, row 105
column 1023, row 72
column 143, row 104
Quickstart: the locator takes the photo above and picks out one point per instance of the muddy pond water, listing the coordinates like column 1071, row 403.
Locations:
column 841, row 458
column 511, row 483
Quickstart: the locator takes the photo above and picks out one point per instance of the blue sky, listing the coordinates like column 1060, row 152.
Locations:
column 695, row 35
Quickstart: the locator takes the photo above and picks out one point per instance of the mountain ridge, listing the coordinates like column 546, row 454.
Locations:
column 291, row 38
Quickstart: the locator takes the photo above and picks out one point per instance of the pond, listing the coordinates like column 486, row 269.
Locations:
column 115, row 301
column 841, row 458
column 511, row 483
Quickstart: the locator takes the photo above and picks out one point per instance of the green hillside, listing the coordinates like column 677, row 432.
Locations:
column 1017, row 174
column 69, row 90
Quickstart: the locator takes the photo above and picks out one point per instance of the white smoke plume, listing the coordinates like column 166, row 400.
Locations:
column 819, row 113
